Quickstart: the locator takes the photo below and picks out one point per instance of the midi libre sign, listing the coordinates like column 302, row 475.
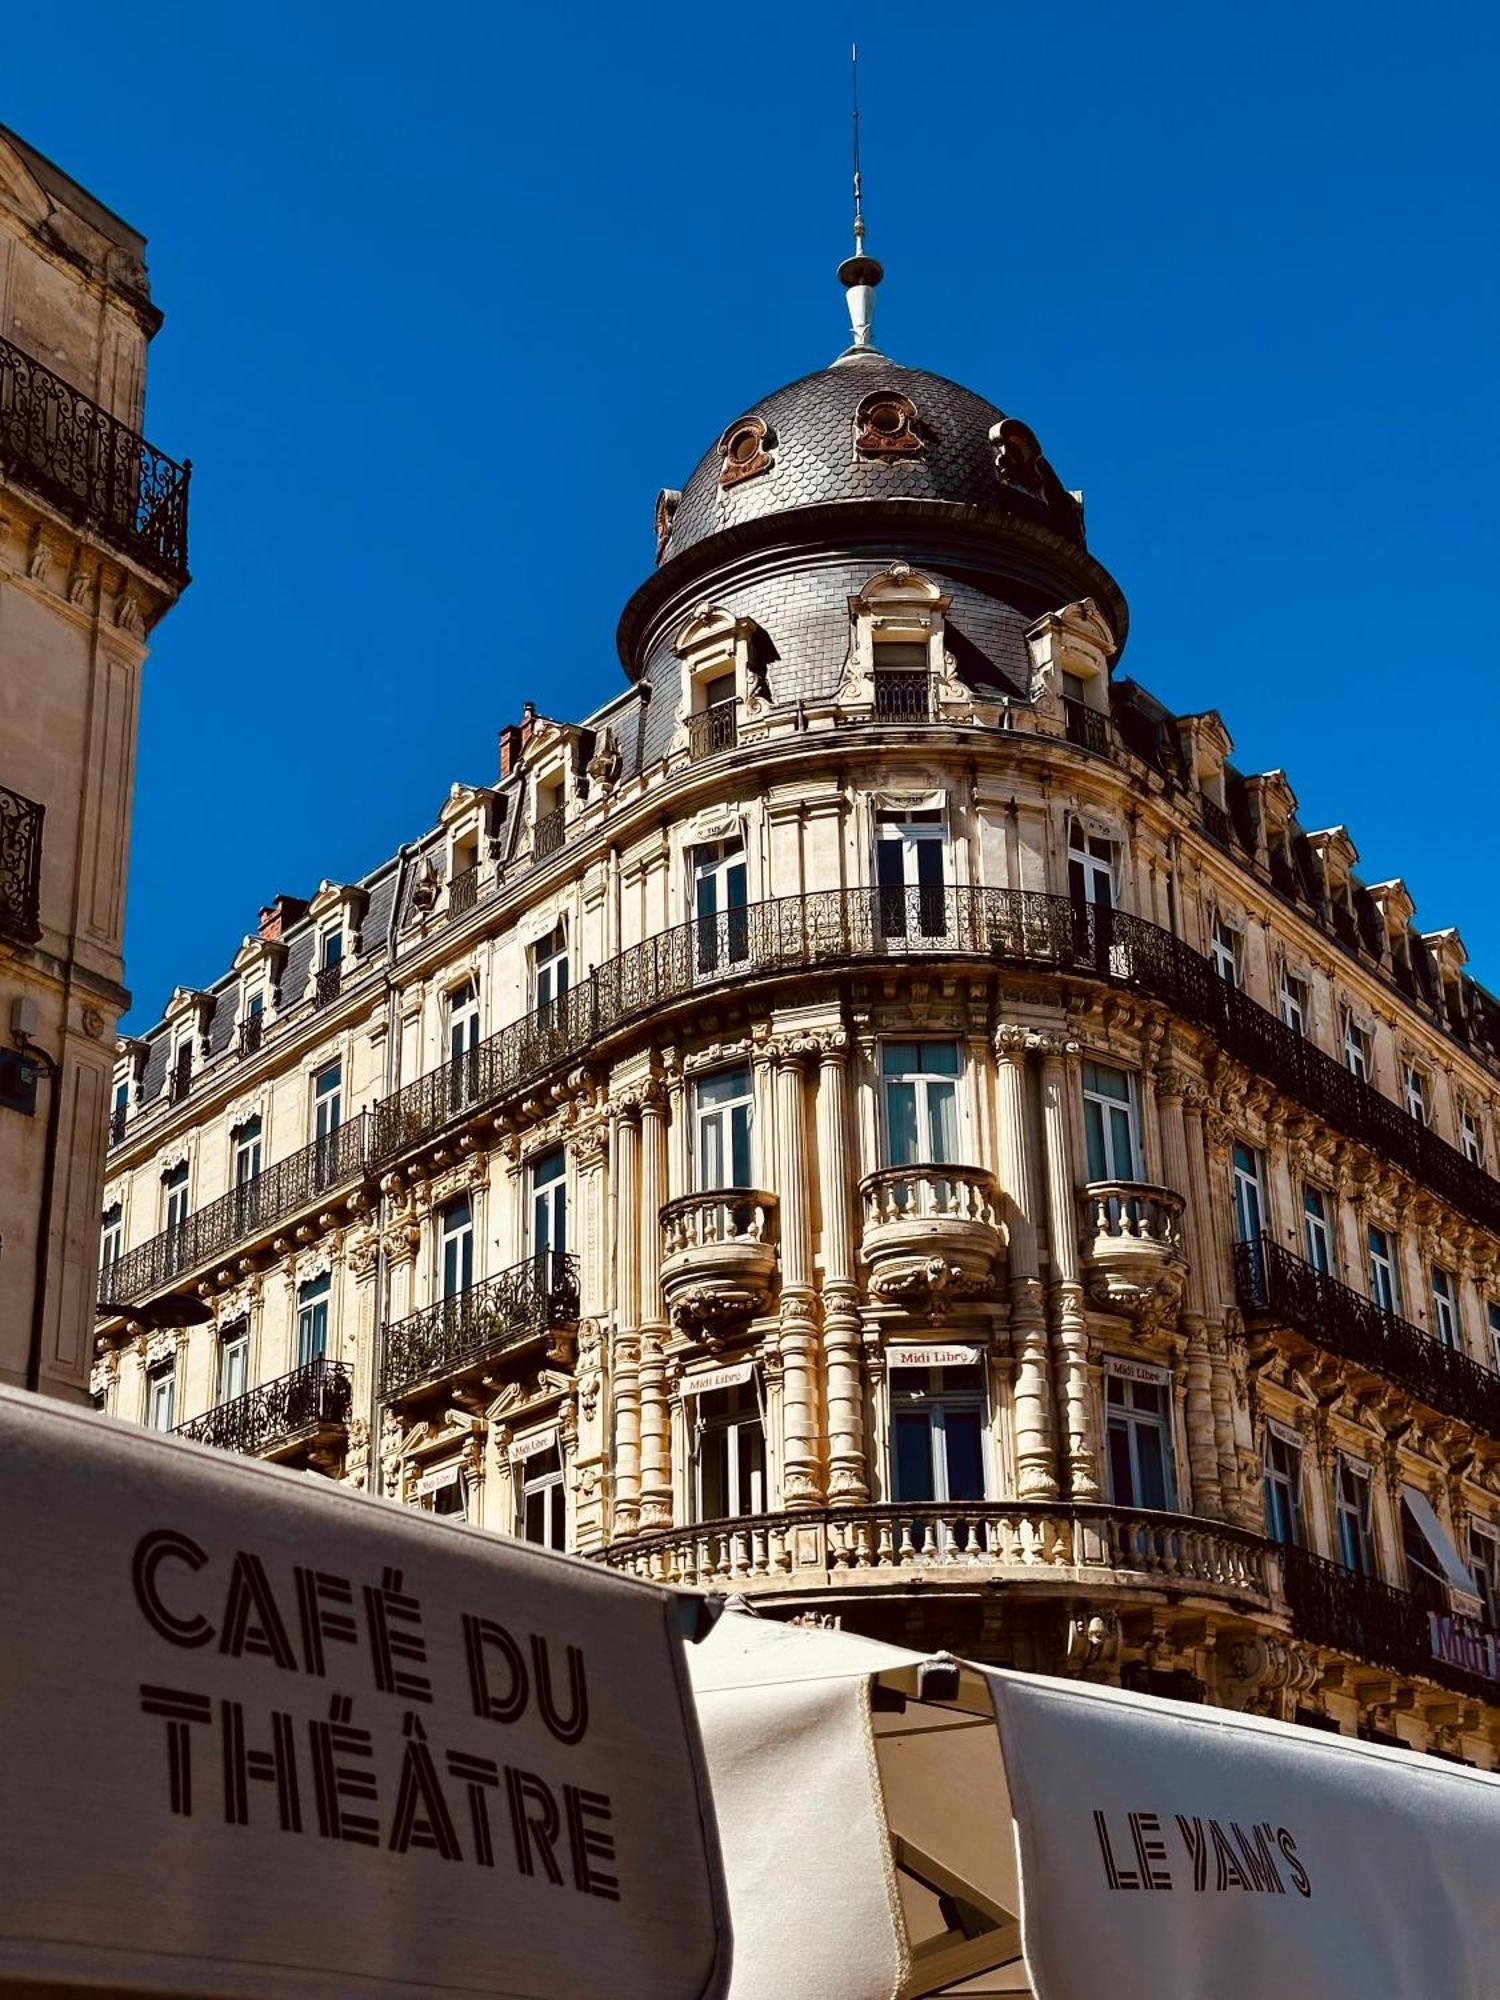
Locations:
column 262, row 1738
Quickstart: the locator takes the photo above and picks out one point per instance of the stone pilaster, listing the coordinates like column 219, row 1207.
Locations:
column 848, row 1482
column 798, row 1338
column 627, row 1336
column 1036, row 1472
column 1214, row 1208
column 1074, row 1402
column 656, row 1443
column 1172, row 1089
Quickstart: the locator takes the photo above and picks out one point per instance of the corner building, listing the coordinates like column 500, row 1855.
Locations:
column 881, row 1118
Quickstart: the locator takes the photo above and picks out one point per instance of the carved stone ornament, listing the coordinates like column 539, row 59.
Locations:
column 885, row 426
column 927, row 1282
column 745, row 451
column 605, row 764
column 667, row 503
column 1093, row 1639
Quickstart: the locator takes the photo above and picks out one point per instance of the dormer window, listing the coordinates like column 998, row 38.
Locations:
column 744, row 451
column 180, row 1075
column 463, row 873
column 119, row 1110
column 711, row 725
column 548, row 826
column 252, row 1020
column 330, row 959
column 903, row 682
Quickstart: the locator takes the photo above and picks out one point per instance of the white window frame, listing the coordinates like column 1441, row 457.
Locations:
column 1447, row 1315
column 921, row 1081
column 549, row 1197
column 1357, row 1051
column 543, row 1477
column 1284, row 1477
column 551, row 970
column 1091, row 870
column 715, row 1123
column 912, row 1389
column 1253, row 1180
column 245, row 1153
column 234, row 1340
column 111, row 1236
column 455, row 1247
column 314, row 1307
column 1383, row 1257
column 1109, row 1110
column 1294, row 1001
column 1132, row 1421
column 161, row 1395
column 1226, row 947
column 1470, row 1137
column 175, row 1188
column 1360, row 1514
column 722, row 1429
column 461, row 1006
column 327, row 1105
column 1414, row 1092
column 330, row 945
column 1317, row 1227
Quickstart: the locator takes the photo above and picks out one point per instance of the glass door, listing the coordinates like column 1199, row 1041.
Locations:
column 720, row 905
column 328, row 1107
column 937, row 1448
column 909, row 870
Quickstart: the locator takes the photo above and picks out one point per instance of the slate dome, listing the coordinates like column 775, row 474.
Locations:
column 842, row 434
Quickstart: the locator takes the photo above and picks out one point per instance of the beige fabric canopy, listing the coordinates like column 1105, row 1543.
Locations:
column 261, row 1735
column 895, row 1825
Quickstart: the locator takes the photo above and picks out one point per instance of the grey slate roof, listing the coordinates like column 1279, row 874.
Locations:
column 814, row 459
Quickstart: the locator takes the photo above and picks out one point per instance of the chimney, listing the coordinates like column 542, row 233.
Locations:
column 275, row 917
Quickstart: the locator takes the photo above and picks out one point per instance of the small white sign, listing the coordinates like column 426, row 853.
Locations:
column 1137, row 1371
column 435, row 1482
column 930, row 1354
column 731, row 1376
column 533, row 1445
column 1285, row 1433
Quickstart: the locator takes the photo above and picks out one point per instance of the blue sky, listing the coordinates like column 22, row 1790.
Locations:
column 451, row 293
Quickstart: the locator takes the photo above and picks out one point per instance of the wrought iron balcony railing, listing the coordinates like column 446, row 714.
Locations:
column 463, row 891
column 20, row 864
column 327, row 983
column 1370, row 1620
column 1023, row 927
column 252, row 1032
column 548, row 834
column 1216, row 823
column 256, row 1204
column 902, row 696
column 90, row 466
column 317, row 1396
column 456, row 1333
column 1085, row 726
column 712, row 730
column 1274, row 1284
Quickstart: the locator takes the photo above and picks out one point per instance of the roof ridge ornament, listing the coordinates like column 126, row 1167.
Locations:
column 859, row 274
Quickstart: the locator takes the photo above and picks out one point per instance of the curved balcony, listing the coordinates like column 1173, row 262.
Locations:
column 930, row 1233
column 1132, row 1247
column 963, row 1543
column 718, row 1259
column 464, row 1334
column 304, row 1412
column 787, row 938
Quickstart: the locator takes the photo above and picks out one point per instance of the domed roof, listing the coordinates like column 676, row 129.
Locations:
column 865, row 429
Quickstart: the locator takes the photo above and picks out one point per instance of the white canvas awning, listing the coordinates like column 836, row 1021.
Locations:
column 262, row 1735
column 896, row 1826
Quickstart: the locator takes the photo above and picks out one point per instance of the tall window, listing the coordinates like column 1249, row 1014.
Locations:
column 1425, row 1577
column 244, row 1166
column 328, row 1108
column 111, row 1244
column 463, row 1021
column 1470, row 1138
column 1091, row 867
column 1445, row 1313
column 234, row 1361
column 1109, row 1123
column 1293, row 1002
column 1385, row 1275
column 1140, row 1442
column 1484, row 1561
column 1224, row 947
column 312, row 1319
column 723, row 1111
column 1352, row 1516
column 174, row 1198
column 937, row 1433
column 729, row 1451
column 549, row 975
column 720, row 894
column 331, row 947
column 909, row 864
column 543, row 1506
column 549, row 1203
column 1414, row 1091
column 1249, row 1174
column 1356, row 1049
column 1492, row 1317
column 920, row 1082
column 119, row 1110
column 161, row 1396
column 1283, row 1490
column 1316, row 1232
column 456, row 1246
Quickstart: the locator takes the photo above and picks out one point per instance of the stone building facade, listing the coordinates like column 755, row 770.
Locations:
column 93, row 551
column 882, row 1118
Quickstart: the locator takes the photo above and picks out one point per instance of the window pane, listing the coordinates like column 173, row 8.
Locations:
column 740, row 1129
column 899, row 1058
column 1093, row 1130
column 724, row 1087
column 1151, row 1458
column 901, row 1122
column 939, row 1058
column 913, row 1455
column 965, row 1454
column 942, row 1114
column 1121, row 1476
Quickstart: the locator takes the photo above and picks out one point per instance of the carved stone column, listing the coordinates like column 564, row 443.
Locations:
column 1213, row 1214
column 1036, row 1471
column 1172, row 1089
column 656, row 1443
column 627, row 1340
column 798, row 1340
column 848, row 1484
column 1075, row 1405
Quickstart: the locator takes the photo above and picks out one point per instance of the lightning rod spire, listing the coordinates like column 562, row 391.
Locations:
column 859, row 274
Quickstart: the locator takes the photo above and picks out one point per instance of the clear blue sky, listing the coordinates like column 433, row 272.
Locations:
column 452, row 291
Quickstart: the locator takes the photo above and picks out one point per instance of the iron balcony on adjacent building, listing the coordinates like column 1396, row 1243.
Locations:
column 91, row 467
column 469, row 1329
column 305, row 1411
column 1277, row 1287
column 1369, row 1619
column 20, row 864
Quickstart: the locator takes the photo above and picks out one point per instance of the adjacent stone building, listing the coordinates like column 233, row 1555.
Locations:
column 93, row 551
column 881, row 1117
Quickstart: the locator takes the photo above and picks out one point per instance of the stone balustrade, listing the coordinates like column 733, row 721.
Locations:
column 1131, row 1238
column 719, row 1257
column 930, row 1230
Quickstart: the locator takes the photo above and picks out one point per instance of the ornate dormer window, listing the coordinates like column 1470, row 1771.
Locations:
column 724, row 659
column 898, row 664
column 1337, row 855
column 667, row 503
column 1273, row 807
column 259, row 963
column 745, row 451
column 470, row 821
column 336, row 913
column 1070, row 654
column 885, row 426
column 188, row 1016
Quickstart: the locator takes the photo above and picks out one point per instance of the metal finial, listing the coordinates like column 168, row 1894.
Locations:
column 859, row 274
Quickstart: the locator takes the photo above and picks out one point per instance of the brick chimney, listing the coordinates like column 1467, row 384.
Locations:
column 275, row 917
column 514, row 738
